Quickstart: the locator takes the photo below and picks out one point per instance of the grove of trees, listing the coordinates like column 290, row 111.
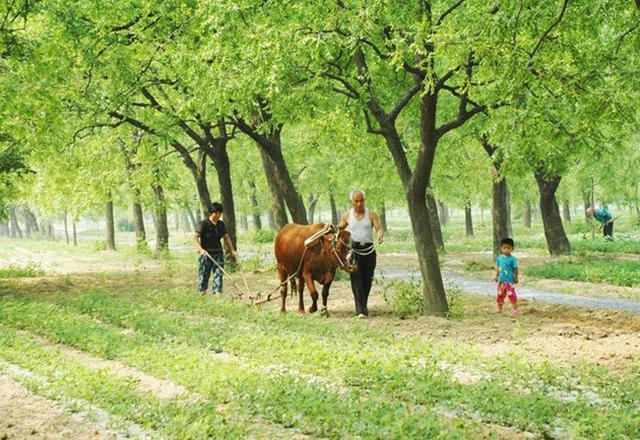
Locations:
column 280, row 107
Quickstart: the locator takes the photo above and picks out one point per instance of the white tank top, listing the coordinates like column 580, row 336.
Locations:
column 360, row 229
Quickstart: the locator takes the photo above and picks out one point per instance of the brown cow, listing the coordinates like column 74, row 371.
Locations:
column 318, row 263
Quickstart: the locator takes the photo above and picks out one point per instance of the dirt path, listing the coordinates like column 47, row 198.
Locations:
column 487, row 288
column 24, row 415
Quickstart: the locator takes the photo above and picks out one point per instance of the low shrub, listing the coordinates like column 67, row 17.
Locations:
column 404, row 298
column 30, row 270
column 261, row 236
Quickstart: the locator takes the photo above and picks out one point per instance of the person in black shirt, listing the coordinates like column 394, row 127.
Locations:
column 208, row 236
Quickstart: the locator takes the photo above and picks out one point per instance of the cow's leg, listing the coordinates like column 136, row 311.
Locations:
column 313, row 292
column 325, row 295
column 282, row 274
column 300, row 286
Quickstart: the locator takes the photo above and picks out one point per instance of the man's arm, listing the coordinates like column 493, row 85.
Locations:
column 198, row 245
column 344, row 222
column 227, row 240
column 375, row 220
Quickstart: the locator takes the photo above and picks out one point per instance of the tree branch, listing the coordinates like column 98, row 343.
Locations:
column 555, row 23
column 455, row 6
column 402, row 103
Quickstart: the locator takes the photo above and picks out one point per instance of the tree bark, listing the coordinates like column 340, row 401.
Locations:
column 566, row 210
column 4, row 229
column 468, row 219
column 434, row 218
column 291, row 197
column 75, row 235
column 557, row 241
column 499, row 213
column 192, row 219
column 220, row 158
column 271, row 144
column 244, row 222
column 335, row 218
column 66, row 228
column 278, row 209
column 527, row 215
column 383, row 216
column 313, row 201
column 443, row 213
column 433, row 287
column 138, row 221
column 499, row 192
column 111, row 228
column 255, row 207
column 587, row 204
column 15, row 231
column 160, row 215
column 508, row 201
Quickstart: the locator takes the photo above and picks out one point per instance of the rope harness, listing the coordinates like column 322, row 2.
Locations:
column 328, row 229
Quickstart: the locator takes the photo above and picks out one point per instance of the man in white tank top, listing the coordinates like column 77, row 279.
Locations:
column 360, row 221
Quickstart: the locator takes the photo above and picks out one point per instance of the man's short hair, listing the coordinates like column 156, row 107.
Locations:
column 507, row 241
column 215, row 207
column 352, row 194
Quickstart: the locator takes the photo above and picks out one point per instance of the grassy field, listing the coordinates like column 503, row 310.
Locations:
column 121, row 340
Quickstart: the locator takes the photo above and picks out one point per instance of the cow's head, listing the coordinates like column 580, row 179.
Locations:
column 341, row 245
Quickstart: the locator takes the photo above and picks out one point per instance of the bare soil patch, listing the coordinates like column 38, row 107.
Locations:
column 24, row 415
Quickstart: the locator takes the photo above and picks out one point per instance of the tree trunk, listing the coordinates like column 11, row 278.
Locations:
column 221, row 162
column 4, row 229
column 184, row 217
column 383, row 216
column 66, row 228
column 199, row 172
column 436, row 230
column 75, row 235
column 244, row 222
column 192, row 219
column 313, row 201
column 335, row 218
column 160, row 215
column 566, row 211
column 468, row 219
column 587, row 205
column 272, row 220
column 289, row 193
column 509, row 226
column 138, row 221
column 255, row 207
column 443, row 213
column 435, row 302
column 557, row 241
column 111, row 227
column 527, row 215
column 16, row 232
column 278, row 209
column 499, row 212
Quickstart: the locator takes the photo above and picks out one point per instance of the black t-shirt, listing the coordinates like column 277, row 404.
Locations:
column 211, row 234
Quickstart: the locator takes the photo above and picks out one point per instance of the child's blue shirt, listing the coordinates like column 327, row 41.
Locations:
column 507, row 267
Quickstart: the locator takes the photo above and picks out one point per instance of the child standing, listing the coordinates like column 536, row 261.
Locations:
column 507, row 276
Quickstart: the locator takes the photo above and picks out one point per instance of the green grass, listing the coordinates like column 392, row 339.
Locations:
column 30, row 270
column 394, row 386
column 619, row 273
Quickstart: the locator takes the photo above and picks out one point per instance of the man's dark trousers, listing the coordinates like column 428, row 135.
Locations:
column 362, row 279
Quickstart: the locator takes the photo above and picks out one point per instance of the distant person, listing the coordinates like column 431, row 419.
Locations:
column 507, row 276
column 604, row 217
column 359, row 221
column 207, row 239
